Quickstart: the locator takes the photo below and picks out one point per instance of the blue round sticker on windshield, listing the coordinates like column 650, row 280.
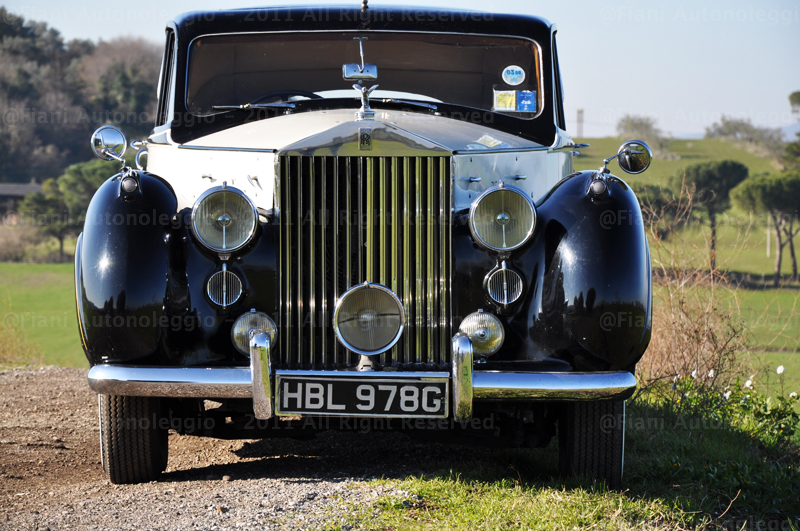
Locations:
column 513, row 75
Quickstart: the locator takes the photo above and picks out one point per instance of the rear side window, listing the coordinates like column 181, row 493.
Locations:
column 165, row 80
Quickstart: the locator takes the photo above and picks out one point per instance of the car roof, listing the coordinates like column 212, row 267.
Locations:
column 351, row 17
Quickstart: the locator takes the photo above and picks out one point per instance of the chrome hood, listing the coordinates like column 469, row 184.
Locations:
column 337, row 132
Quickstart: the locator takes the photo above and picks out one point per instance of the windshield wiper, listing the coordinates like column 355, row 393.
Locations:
column 276, row 105
column 406, row 102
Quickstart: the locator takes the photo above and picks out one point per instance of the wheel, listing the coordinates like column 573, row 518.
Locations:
column 591, row 441
column 133, row 445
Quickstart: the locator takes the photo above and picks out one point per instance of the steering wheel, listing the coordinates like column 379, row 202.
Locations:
column 284, row 95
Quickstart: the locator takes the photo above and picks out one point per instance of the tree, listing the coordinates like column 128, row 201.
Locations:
column 47, row 212
column 80, row 182
column 794, row 101
column 776, row 196
column 709, row 185
column 644, row 128
column 762, row 141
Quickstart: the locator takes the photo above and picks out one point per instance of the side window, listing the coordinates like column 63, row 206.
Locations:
column 560, row 121
column 165, row 80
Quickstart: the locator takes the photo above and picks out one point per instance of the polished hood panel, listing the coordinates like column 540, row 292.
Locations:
column 339, row 130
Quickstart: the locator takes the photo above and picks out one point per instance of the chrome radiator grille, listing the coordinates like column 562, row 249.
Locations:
column 347, row 220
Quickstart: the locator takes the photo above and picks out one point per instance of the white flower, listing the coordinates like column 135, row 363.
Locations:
column 792, row 395
column 694, row 373
column 711, row 373
column 748, row 383
column 727, row 395
column 780, row 369
column 752, row 376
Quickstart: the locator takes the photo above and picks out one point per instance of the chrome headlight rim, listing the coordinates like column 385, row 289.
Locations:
column 251, row 233
column 271, row 329
column 474, row 206
column 393, row 296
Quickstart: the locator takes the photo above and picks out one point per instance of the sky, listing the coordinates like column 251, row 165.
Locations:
column 685, row 63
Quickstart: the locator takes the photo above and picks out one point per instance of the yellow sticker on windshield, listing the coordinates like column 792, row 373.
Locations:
column 505, row 100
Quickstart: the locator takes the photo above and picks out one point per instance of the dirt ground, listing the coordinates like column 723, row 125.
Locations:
column 51, row 476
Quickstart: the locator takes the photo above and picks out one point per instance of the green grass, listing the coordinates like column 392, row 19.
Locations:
column 683, row 470
column 40, row 299
column 690, row 152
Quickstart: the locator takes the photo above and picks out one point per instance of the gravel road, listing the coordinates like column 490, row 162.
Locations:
column 51, row 477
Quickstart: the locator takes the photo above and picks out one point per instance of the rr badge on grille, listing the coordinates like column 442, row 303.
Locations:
column 365, row 139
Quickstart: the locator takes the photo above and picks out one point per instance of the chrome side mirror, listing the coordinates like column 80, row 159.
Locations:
column 108, row 143
column 633, row 157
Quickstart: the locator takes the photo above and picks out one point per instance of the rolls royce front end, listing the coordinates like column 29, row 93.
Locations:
column 300, row 243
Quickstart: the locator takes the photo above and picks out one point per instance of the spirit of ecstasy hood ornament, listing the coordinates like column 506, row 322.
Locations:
column 365, row 112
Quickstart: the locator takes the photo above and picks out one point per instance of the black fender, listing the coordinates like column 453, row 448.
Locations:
column 122, row 269
column 588, row 293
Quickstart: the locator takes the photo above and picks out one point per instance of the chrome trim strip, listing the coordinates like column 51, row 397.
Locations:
column 395, row 243
column 444, row 224
column 382, row 261
column 300, row 264
column 217, row 382
column 430, row 320
column 500, row 150
column 418, row 306
column 260, row 372
column 493, row 385
column 212, row 148
column 407, row 296
column 337, row 221
column 312, row 277
column 370, row 246
column 462, row 378
column 324, row 299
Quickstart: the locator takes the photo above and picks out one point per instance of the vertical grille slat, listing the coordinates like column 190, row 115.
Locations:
column 347, row 220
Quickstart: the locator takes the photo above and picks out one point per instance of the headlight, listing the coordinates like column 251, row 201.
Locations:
column 253, row 320
column 485, row 331
column 369, row 319
column 502, row 218
column 224, row 219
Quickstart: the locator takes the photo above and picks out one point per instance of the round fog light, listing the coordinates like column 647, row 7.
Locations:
column 253, row 320
column 369, row 319
column 485, row 331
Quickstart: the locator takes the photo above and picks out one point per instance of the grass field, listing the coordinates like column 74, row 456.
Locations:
column 40, row 299
column 689, row 151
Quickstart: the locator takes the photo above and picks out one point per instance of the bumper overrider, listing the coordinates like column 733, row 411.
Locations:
column 259, row 381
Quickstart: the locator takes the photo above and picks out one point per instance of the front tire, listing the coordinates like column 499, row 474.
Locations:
column 134, row 447
column 591, row 441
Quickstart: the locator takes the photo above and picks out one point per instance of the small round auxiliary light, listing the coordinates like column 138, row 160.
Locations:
column 485, row 331
column 369, row 319
column 128, row 184
column 252, row 320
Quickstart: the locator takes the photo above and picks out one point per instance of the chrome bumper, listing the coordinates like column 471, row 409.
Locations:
column 254, row 382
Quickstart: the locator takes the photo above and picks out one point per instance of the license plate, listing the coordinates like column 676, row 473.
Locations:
column 362, row 397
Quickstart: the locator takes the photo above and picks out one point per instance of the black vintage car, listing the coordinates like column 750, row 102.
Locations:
column 362, row 213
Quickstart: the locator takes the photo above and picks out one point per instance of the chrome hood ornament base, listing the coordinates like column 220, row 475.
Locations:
column 365, row 112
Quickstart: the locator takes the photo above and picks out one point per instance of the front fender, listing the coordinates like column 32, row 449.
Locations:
column 121, row 269
column 595, row 304
column 587, row 296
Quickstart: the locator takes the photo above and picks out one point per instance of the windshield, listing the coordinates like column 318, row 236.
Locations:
column 499, row 74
